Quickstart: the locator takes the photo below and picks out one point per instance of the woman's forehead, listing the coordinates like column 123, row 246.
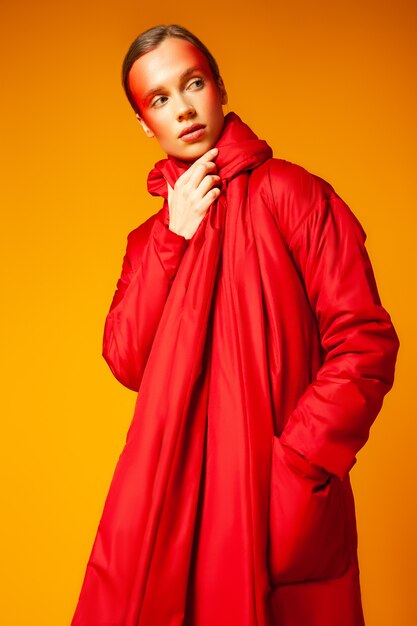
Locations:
column 167, row 63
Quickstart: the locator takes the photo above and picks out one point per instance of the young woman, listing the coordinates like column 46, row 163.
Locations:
column 248, row 320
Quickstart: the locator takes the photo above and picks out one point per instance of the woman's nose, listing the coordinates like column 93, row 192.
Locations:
column 185, row 110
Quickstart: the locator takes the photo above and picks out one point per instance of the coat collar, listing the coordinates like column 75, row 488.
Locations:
column 239, row 150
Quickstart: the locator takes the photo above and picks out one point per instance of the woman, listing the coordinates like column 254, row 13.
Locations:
column 248, row 320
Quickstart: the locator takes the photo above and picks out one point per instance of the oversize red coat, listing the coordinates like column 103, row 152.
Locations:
column 261, row 354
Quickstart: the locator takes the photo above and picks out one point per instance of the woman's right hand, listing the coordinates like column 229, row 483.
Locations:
column 192, row 195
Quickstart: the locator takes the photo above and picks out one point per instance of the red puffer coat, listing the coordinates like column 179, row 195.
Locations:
column 261, row 354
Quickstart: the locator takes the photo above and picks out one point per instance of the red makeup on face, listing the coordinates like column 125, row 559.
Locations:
column 179, row 99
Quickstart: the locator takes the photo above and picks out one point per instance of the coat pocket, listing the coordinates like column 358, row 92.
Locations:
column 308, row 525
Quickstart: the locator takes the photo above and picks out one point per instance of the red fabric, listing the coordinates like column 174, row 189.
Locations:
column 261, row 354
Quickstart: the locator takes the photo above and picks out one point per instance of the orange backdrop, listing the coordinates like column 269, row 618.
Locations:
column 332, row 87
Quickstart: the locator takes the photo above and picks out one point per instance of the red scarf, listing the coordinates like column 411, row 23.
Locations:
column 141, row 579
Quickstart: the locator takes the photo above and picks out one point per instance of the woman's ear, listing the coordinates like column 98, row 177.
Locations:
column 222, row 89
column 146, row 129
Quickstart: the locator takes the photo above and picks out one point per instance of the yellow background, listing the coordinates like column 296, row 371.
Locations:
column 332, row 87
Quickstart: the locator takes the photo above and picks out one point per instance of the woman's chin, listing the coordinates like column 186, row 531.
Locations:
column 192, row 152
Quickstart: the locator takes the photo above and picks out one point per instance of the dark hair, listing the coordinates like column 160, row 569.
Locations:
column 149, row 40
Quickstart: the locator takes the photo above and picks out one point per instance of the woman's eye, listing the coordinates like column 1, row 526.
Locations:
column 197, row 83
column 158, row 101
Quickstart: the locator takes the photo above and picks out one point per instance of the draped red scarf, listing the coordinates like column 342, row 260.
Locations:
column 138, row 570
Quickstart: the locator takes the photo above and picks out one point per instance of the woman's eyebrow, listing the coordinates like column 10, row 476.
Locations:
column 191, row 70
column 152, row 92
column 184, row 76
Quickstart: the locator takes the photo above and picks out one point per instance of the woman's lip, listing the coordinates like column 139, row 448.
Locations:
column 193, row 135
column 191, row 128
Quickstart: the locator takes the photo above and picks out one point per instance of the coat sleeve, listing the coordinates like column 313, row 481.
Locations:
column 152, row 258
column 332, row 418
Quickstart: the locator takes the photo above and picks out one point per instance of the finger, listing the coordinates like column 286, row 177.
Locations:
column 209, row 198
column 200, row 171
column 207, row 183
column 206, row 157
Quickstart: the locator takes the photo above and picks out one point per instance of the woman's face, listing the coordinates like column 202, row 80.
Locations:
column 174, row 89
